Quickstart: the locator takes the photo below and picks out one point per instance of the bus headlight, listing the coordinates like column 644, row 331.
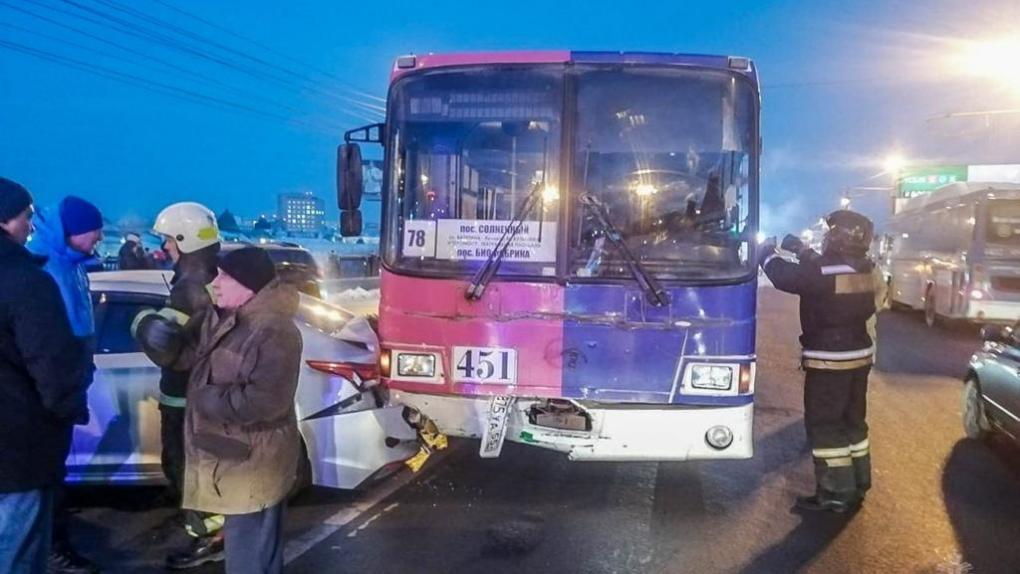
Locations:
column 416, row 365
column 712, row 377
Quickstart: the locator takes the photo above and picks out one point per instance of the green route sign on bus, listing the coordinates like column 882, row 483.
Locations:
column 920, row 180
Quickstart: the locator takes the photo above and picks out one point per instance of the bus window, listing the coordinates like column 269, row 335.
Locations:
column 1003, row 222
column 470, row 147
column 675, row 184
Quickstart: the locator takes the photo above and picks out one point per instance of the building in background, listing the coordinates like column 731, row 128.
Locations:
column 301, row 212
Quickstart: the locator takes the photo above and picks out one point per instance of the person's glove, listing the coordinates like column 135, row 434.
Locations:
column 160, row 334
column 766, row 250
column 793, row 244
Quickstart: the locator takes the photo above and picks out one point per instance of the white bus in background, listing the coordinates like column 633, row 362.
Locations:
column 955, row 253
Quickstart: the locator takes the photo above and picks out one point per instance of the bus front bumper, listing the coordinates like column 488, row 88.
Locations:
column 993, row 311
column 619, row 432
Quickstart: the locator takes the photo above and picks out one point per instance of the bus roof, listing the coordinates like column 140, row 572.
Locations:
column 406, row 64
column 958, row 190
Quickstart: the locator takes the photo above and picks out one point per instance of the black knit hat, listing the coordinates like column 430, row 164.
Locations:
column 14, row 199
column 249, row 266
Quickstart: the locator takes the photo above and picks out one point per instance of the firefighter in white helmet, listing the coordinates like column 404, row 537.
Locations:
column 191, row 238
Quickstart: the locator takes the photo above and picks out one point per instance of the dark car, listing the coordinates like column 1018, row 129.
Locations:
column 294, row 264
column 991, row 395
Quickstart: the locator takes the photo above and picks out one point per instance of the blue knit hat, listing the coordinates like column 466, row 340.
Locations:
column 79, row 216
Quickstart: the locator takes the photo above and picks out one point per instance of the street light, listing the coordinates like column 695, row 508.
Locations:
column 995, row 58
column 893, row 163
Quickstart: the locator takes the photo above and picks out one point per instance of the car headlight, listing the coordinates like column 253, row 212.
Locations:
column 416, row 365
column 712, row 377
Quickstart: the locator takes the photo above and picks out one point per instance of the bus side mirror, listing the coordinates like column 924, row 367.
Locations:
column 349, row 177
column 350, row 223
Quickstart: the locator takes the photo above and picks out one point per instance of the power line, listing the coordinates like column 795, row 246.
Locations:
column 152, row 85
column 127, row 49
column 128, row 28
column 269, row 49
column 175, row 43
column 201, row 38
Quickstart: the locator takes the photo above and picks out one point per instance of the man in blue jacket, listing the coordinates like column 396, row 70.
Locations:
column 42, row 390
column 67, row 236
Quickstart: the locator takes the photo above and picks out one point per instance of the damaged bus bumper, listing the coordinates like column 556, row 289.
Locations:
column 620, row 432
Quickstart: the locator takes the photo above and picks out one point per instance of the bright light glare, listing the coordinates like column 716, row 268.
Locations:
column 645, row 189
column 997, row 58
column 844, row 202
column 807, row 234
column 893, row 163
column 550, row 193
column 761, row 237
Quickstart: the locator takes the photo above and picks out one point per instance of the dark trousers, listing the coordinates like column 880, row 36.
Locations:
column 835, row 412
column 61, row 519
column 26, row 523
column 197, row 524
column 254, row 542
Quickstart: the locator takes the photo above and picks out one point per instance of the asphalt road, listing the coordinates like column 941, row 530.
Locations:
column 940, row 504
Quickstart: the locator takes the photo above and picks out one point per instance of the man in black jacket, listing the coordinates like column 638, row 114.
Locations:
column 42, row 390
column 192, row 240
column 837, row 298
column 132, row 254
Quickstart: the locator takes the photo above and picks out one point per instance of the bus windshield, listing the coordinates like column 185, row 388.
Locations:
column 1004, row 222
column 469, row 147
column 667, row 153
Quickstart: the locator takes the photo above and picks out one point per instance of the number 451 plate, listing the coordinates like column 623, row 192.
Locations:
column 485, row 365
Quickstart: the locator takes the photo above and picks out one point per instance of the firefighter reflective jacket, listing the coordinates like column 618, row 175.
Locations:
column 837, row 298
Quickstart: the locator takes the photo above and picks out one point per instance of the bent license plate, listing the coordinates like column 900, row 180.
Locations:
column 495, row 426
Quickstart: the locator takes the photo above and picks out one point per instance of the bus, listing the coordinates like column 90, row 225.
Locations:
column 955, row 253
column 568, row 249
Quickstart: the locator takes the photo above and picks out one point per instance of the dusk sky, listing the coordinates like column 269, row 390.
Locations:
column 844, row 83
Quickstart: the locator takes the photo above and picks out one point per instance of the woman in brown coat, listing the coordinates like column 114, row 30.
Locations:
column 241, row 436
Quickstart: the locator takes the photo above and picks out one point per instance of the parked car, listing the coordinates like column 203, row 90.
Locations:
column 991, row 392
column 349, row 433
column 294, row 263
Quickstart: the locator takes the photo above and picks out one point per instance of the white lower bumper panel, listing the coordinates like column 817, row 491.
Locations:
column 619, row 433
column 994, row 311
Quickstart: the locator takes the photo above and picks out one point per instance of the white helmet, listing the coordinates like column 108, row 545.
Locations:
column 192, row 225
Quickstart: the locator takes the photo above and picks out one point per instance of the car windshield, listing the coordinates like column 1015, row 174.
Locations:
column 668, row 154
column 469, row 148
column 1003, row 222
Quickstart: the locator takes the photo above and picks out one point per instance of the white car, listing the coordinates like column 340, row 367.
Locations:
column 349, row 433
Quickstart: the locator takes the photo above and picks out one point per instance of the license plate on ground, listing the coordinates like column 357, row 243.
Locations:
column 495, row 426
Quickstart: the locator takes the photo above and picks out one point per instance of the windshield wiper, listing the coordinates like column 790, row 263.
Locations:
column 483, row 276
column 649, row 285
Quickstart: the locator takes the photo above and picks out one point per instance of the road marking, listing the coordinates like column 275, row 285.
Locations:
column 302, row 544
column 367, row 523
